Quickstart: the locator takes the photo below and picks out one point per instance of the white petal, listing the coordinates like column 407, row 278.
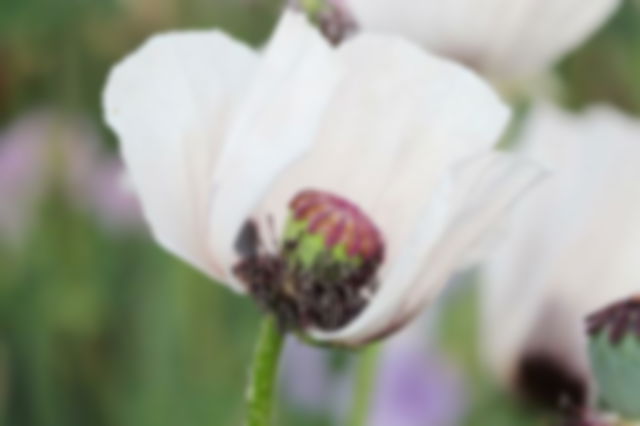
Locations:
column 396, row 122
column 396, row 126
column 169, row 104
column 274, row 127
column 504, row 38
column 478, row 195
column 573, row 243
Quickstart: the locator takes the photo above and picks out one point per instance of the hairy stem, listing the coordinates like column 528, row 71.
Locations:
column 264, row 373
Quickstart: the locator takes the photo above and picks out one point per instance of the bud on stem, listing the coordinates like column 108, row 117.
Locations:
column 614, row 348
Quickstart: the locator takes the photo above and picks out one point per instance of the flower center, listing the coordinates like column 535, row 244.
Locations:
column 323, row 273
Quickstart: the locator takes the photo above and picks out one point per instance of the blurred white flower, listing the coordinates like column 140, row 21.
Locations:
column 504, row 39
column 340, row 187
column 573, row 247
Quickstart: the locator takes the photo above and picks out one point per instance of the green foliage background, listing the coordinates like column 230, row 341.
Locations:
column 101, row 328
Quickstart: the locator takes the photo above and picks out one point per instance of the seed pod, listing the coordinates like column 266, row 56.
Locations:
column 614, row 348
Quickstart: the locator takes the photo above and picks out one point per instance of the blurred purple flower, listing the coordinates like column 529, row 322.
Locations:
column 309, row 382
column 95, row 180
column 415, row 387
column 42, row 146
column 111, row 197
column 21, row 175
column 305, row 375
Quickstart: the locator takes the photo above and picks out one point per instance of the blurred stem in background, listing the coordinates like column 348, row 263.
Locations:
column 312, row 7
column 521, row 108
column 365, row 381
column 264, row 374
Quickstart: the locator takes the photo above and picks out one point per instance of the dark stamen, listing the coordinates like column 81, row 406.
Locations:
column 545, row 381
column 248, row 240
column 323, row 272
column 328, row 296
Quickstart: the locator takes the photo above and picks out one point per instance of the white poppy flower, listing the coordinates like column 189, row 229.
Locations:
column 373, row 161
column 505, row 39
column 573, row 248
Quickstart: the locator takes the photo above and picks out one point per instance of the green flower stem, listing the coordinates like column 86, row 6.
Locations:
column 312, row 7
column 264, row 374
column 364, row 385
column 522, row 109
